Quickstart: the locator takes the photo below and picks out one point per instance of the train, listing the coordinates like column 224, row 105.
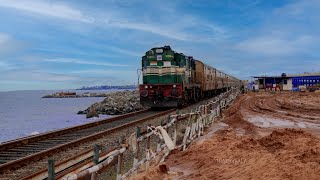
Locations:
column 172, row 79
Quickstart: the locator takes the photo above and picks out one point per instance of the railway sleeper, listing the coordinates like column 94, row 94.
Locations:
column 37, row 146
column 27, row 150
column 88, row 130
column 48, row 142
column 79, row 135
column 61, row 141
column 10, row 154
column 75, row 134
column 8, row 159
column 31, row 147
column 14, row 154
column 43, row 145
column 52, row 139
column 70, row 138
column 3, row 161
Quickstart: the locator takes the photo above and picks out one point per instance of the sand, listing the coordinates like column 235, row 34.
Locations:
column 261, row 136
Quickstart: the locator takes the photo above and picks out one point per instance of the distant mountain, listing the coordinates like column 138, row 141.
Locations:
column 107, row 87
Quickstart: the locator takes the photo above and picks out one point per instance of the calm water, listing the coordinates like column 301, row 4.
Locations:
column 23, row 113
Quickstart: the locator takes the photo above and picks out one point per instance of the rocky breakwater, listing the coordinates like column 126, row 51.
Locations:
column 116, row 103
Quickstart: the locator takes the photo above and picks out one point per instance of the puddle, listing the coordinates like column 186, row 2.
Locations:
column 267, row 122
column 270, row 122
column 301, row 125
column 212, row 129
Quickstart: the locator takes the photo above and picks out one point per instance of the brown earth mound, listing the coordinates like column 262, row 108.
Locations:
column 270, row 136
column 284, row 154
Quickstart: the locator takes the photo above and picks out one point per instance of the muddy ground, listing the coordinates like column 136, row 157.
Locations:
column 261, row 136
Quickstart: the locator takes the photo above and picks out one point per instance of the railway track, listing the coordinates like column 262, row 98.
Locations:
column 21, row 151
column 78, row 162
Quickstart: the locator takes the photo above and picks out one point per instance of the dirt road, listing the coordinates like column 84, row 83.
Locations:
column 261, row 113
column 261, row 136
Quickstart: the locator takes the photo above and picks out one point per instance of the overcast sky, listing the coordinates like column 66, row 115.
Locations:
column 47, row 44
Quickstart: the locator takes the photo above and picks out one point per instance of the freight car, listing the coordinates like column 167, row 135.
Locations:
column 172, row 79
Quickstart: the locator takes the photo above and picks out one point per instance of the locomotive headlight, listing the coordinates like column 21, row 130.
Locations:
column 146, row 87
column 150, row 86
column 174, row 85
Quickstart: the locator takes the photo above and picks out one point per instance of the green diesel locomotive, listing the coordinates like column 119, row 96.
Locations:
column 172, row 79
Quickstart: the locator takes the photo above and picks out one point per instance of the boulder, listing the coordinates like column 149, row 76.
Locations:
column 92, row 113
column 117, row 103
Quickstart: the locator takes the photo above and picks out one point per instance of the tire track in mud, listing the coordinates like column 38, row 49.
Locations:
column 285, row 110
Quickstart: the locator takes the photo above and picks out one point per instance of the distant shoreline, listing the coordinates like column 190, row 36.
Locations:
column 68, row 94
column 108, row 87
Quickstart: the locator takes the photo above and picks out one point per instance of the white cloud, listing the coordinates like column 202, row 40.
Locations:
column 287, row 31
column 4, row 65
column 277, row 45
column 267, row 46
column 51, row 77
column 47, row 8
column 124, row 51
column 4, row 38
column 117, row 19
column 84, row 62
column 146, row 27
column 9, row 45
column 36, row 76
column 103, row 72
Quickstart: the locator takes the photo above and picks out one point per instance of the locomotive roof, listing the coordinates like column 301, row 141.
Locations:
column 163, row 47
column 169, row 48
column 216, row 69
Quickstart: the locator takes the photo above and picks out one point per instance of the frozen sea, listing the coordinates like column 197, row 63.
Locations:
column 24, row 113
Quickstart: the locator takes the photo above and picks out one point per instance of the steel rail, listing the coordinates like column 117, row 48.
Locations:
column 71, row 166
column 42, row 174
column 39, row 155
column 35, row 138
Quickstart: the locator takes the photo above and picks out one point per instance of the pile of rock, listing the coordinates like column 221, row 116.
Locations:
column 121, row 102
